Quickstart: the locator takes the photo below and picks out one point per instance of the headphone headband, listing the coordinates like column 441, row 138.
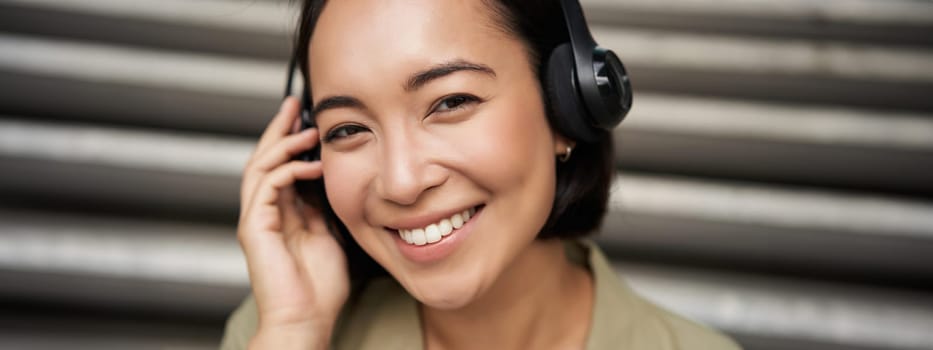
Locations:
column 580, row 37
column 600, row 77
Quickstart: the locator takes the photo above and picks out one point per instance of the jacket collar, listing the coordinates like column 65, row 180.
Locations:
column 392, row 320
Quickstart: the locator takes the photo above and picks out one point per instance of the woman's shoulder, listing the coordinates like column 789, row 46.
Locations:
column 241, row 325
column 684, row 334
column 377, row 316
column 381, row 315
column 622, row 319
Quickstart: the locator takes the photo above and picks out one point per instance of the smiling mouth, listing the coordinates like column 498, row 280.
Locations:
column 435, row 232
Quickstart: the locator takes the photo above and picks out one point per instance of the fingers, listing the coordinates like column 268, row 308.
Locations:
column 281, row 124
column 284, row 150
column 274, row 209
column 268, row 202
column 271, row 187
column 292, row 220
column 274, row 206
column 283, row 240
column 310, row 219
column 273, row 156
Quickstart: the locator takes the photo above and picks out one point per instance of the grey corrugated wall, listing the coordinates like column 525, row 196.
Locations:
column 775, row 174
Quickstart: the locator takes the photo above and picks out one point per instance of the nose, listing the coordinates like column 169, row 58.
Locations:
column 408, row 170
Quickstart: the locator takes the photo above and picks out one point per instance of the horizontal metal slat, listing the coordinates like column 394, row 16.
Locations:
column 162, row 33
column 806, row 124
column 773, row 206
column 864, row 149
column 121, row 247
column 742, row 54
column 845, row 11
column 258, row 16
column 141, row 67
column 94, row 329
column 805, row 232
column 53, row 98
column 889, row 23
column 846, row 315
column 194, row 175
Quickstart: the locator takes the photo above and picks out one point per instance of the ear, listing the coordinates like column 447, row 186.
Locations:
column 561, row 143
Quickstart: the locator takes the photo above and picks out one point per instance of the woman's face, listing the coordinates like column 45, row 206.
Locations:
column 428, row 110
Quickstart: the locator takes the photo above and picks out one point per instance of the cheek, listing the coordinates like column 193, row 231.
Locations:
column 344, row 183
column 515, row 147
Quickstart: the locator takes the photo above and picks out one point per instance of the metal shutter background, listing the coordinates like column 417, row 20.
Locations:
column 775, row 174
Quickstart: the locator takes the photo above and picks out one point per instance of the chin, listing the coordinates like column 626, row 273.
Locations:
column 447, row 299
column 450, row 292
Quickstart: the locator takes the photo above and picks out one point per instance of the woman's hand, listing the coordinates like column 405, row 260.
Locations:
column 296, row 267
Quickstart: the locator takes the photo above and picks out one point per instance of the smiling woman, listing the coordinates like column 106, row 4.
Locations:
column 464, row 148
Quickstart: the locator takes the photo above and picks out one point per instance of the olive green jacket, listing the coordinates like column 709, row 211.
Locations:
column 385, row 317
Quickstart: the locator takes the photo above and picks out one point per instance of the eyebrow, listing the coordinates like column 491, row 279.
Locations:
column 333, row 102
column 415, row 82
column 419, row 79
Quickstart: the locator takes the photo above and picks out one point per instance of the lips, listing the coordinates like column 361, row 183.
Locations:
column 434, row 232
column 428, row 244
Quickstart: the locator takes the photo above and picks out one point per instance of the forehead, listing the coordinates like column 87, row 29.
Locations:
column 360, row 39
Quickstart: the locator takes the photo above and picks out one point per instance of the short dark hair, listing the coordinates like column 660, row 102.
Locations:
column 583, row 181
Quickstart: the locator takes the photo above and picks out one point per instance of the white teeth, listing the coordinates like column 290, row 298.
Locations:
column 434, row 232
column 445, row 227
column 417, row 237
column 406, row 236
column 456, row 221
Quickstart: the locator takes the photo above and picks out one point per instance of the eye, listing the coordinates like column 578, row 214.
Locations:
column 342, row 132
column 454, row 102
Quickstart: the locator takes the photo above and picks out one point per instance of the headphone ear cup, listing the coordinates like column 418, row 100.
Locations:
column 567, row 111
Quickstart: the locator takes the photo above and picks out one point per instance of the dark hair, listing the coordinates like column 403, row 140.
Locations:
column 583, row 181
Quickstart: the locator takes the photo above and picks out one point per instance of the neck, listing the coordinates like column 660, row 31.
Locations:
column 541, row 301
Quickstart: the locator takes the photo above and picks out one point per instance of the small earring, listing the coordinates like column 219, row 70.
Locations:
column 566, row 156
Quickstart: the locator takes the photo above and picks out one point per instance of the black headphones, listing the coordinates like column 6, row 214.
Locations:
column 587, row 87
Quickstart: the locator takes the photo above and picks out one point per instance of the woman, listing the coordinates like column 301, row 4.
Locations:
column 441, row 162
